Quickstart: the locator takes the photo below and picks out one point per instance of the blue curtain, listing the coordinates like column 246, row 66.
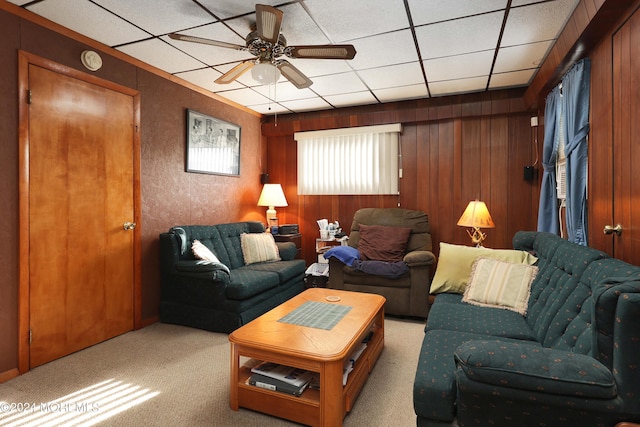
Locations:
column 548, row 209
column 575, row 99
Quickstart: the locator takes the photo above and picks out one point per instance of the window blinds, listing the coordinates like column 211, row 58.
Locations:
column 362, row 160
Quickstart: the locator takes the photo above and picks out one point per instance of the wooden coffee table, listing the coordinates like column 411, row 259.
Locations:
column 313, row 349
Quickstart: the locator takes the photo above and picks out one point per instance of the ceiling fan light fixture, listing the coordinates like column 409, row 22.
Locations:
column 265, row 73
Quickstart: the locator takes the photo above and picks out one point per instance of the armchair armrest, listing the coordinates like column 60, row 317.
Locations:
column 419, row 258
column 529, row 366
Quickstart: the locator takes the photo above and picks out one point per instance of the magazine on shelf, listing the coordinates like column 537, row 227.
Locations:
column 273, row 384
column 294, row 376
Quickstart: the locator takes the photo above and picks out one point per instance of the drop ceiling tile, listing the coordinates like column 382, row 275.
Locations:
column 521, row 57
column 336, row 84
column 537, row 22
column 161, row 55
column 19, row 2
column 401, row 93
column 459, row 66
column 428, row 12
column 270, row 108
column 384, row 49
column 297, row 26
column 90, row 20
column 205, row 78
column 244, row 96
column 309, row 104
column 283, row 91
column 392, row 75
column 449, row 87
column 513, row 79
column 211, row 55
column 159, row 16
column 349, row 20
column 449, row 38
column 356, row 98
column 225, row 9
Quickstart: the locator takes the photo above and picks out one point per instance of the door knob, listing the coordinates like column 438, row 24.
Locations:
column 609, row 229
column 129, row 225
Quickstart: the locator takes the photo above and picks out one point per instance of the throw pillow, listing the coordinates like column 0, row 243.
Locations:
column 383, row 243
column 500, row 284
column 258, row 247
column 200, row 251
column 455, row 262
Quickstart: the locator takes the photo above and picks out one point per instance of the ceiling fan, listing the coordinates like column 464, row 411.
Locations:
column 268, row 45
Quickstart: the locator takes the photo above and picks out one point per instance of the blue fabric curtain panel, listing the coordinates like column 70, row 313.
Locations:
column 548, row 209
column 575, row 99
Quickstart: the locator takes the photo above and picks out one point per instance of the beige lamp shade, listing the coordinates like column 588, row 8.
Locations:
column 476, row 216
column 272, row 196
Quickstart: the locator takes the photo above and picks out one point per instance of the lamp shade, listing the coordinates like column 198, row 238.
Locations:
column 476, row 215
column 265, row 73
column 272, row 195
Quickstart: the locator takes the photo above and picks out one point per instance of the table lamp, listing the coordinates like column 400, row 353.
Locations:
column 272, row 196
column 476, row 216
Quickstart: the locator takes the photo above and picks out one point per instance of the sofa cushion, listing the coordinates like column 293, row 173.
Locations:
column 382, row 243
column 246, row 283
column 450, row 314
column 529, row 366
column 286, row 270
column 258, row 247
column 500, row 284
column 455, row 262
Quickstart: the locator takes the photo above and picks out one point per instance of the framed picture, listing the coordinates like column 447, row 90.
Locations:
column 213, row 145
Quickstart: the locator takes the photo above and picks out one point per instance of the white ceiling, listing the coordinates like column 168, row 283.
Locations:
column 406, row 49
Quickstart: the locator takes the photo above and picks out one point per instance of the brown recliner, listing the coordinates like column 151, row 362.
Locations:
column 408, row 294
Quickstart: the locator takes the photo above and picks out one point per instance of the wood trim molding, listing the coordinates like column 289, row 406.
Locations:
column 43, row 22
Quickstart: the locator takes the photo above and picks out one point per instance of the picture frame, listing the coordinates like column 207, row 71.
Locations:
column 213, row 145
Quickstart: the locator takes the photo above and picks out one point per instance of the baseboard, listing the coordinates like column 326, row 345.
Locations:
column 10, row 374
column 149, row 321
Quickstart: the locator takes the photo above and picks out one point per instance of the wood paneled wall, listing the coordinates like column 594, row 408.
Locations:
column 454, row 150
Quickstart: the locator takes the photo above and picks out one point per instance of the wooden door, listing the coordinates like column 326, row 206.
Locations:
column 80, row 192
column 626, row 141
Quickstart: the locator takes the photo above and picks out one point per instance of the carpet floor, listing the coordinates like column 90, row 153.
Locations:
column 168, row 375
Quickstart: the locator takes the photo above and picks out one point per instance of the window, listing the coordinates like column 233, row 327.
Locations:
column 362, row 160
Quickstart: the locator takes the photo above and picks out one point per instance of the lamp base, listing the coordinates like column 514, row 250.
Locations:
column 477, row 237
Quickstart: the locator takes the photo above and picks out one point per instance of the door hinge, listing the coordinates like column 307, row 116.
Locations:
column 29, row 96
column 30, row 336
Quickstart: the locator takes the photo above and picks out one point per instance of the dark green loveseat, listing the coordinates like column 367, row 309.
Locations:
column 574, row 360
column 222, row 297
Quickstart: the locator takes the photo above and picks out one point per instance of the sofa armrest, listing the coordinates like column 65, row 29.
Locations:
column 212, row 270
column 529, row 366
column 419, row 258
column 287, row 250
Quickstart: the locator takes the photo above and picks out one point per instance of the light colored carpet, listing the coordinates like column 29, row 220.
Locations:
column 168, row 375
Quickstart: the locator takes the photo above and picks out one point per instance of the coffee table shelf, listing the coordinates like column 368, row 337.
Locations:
column 329, row 405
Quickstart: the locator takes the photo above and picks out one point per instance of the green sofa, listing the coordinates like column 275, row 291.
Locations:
column 226, row 295
column 572, row 360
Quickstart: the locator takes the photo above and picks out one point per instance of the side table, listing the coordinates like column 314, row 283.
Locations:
column 295, row 238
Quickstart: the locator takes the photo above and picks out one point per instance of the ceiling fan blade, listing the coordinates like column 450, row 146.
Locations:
column 194, row 39
column 235, row 72
column 268, row 22
column 294, row 75
column 326, row 51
